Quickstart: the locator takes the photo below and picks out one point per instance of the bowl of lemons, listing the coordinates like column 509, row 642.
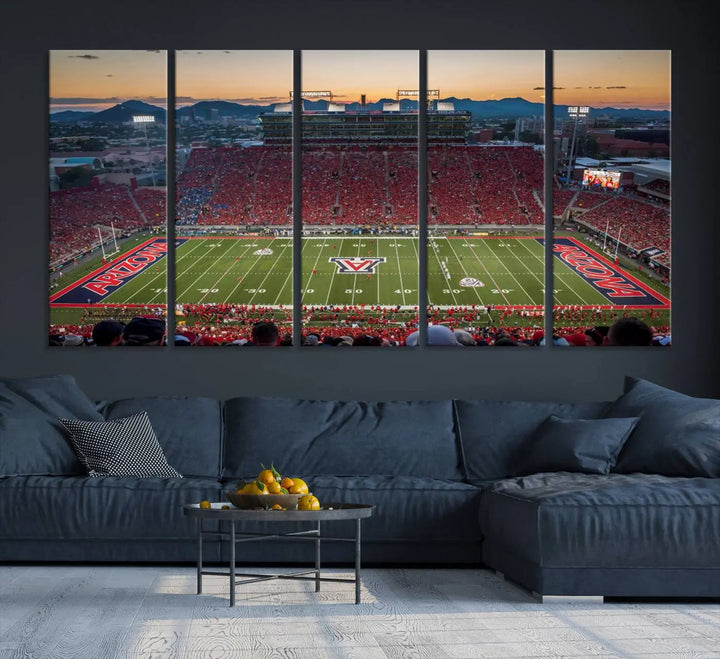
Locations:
column 269, row 491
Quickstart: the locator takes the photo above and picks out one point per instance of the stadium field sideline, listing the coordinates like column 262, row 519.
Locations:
column 365, row 270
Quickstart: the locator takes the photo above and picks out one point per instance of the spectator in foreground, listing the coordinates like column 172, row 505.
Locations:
column 141, row 331
column 437, row 335
column 264, row 334
column 108, row 333
column 629, row 332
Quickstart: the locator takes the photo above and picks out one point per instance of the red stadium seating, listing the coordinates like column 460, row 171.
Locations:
column 76, row 214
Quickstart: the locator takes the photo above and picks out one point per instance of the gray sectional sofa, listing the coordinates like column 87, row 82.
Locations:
column 618, row 498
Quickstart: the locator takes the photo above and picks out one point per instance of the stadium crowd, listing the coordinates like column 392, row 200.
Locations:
column 76, row 214
column 635, row 223
column 361, row 185
column 234, row 325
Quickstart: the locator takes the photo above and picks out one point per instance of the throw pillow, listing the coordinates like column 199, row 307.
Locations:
column 677, row 435
column 587, row 446
column 121, row 447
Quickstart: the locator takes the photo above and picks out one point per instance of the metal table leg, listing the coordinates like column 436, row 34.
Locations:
column 232, row 562
column 199, row 555
column 317, row 560
column 357, row 561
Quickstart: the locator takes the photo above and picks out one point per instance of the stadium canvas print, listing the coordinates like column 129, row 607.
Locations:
column 612, row 201
column 360, row 159
column 107, row 196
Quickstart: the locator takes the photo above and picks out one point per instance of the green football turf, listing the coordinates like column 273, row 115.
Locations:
column 258, row 271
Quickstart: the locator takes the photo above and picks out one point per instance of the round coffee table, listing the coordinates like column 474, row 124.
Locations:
column 330, row 512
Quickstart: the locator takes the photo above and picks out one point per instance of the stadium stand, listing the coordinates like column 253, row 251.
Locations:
column 76, row 214
column 638, row 224
column 360, row 185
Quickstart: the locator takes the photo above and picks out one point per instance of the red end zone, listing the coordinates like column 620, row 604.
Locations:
column 103, row 281
column 617, row 286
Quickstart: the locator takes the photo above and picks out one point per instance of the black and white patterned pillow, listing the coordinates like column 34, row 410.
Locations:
column 121, row 447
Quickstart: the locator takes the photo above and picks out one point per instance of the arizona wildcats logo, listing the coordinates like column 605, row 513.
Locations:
column 356, row 264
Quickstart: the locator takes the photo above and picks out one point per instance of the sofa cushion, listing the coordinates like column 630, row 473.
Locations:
column 82, row 508
column 57, row 396
column 582, row 520
column 424, row 510
column 589, row 446
column 32, row 440
column 311, row 437
column 189, row 429
column 677, row 435
column 121, row 447
column 493, row 433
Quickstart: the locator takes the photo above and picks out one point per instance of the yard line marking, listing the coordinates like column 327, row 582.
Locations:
column 222, row 276
column 399, row 265
column 492, row 279
column 502, row 262
column 289, row 274
column 355, row 276
column 561, row 275
column 332, row 279
column 462, row 265
column 179, row 295
column 537, row 258
column 306, row 241
column 134, row 292
column 267, row 274
column 226, row 300
column 431, row 243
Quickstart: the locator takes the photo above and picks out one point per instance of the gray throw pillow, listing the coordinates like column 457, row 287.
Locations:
column 121, row 447
column 677, row 435
column 586, row 446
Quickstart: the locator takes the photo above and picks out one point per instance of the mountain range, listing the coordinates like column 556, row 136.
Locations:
column 507, row 108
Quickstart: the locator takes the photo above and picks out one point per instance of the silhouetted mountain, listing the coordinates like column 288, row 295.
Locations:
column 124, row 112
column 70, row 115
column 506, row 108
column 204, row 110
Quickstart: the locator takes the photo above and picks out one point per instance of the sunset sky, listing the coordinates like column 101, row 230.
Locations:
column 94, row 80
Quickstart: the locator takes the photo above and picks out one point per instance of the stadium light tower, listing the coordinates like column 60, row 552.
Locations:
column 577, row 112
column 144, row 120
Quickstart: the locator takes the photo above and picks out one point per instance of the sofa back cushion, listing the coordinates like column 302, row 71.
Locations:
column 677, row 435
column 588, row 446
column 32, row 440
column 493, row 433
column 189, row 429
column 313, row 437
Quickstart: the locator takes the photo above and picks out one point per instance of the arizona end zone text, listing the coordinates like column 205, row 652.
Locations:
column 601, row 275
column 103, row 281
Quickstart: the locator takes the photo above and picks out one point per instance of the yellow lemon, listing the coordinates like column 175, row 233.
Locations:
column 299, row 487
column 274, row 487
column 256, row 487
column 266, row 476
column 205, row 504
column 308, row 502
column 277, row 506
column 287, row 483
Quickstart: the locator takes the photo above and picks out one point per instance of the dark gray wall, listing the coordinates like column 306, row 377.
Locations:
column 29, row 29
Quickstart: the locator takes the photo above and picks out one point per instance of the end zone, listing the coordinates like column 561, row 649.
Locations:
column 617, row 286
column 99, row 284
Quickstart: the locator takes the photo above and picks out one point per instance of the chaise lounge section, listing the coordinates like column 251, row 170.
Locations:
column 549, row 494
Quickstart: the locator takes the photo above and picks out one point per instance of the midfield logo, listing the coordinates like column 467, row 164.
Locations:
column 357, row 264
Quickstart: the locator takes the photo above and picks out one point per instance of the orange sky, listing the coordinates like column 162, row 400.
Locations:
column 97, row 79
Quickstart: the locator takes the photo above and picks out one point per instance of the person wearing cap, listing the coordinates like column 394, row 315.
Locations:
column 437, row 335
column 465, row 338
column 108, row 333
column 143, row 331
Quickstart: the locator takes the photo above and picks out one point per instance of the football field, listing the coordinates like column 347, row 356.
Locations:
column 363, row 270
